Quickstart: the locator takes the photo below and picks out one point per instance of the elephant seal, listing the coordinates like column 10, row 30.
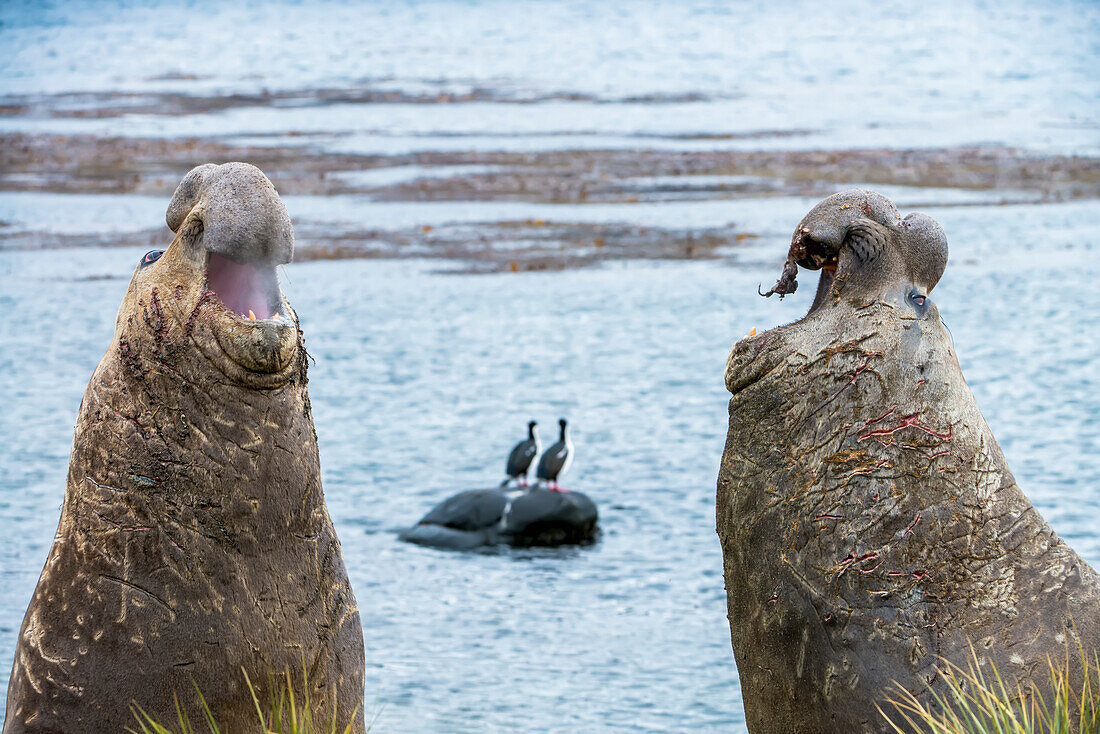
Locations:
column 194, row 540
column 534, row 516
column 868, row 522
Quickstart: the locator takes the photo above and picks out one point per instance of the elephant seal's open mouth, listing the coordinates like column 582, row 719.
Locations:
column 257, row 329
column 232, row 231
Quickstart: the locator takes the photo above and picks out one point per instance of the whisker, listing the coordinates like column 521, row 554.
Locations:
column 949, row 335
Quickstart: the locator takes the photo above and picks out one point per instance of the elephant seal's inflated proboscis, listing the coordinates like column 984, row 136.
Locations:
column 194, row 539
column 868, row 520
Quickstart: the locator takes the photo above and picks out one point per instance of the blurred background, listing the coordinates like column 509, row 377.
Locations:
column 517, row 210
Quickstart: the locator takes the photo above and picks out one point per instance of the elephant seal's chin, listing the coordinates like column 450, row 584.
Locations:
column 752, row 358
column 255, row 331
column 755, row 356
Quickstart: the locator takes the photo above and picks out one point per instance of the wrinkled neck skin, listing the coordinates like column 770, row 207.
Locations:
column 868, row 520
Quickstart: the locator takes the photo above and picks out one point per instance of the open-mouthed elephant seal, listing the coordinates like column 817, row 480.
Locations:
column 194, row 540
column 868, row 521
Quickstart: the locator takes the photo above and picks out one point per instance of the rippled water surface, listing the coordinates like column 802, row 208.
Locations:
column 822, row 74
column 423, row 380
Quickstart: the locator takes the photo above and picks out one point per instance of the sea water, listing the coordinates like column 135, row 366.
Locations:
column 422, row 380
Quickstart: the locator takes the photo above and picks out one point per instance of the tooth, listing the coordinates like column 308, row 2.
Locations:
column 251, row 316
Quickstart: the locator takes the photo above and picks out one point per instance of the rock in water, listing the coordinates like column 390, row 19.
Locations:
column 503, row 516
column 868, row 521
column 194, row 540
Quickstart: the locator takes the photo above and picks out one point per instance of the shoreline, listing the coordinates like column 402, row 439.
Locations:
column 88, row 163
column 561, row 183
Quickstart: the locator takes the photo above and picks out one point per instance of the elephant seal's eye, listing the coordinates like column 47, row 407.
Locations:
column 150, row 257
column 918, row 298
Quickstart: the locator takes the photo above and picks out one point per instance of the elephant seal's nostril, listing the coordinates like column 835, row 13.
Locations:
column 187, row 195
column 822, row 232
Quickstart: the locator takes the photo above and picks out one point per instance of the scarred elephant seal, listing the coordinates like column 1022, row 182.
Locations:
column 194, row 540
column 868, row 521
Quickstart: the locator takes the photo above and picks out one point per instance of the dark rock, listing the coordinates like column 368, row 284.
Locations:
column 507, row 516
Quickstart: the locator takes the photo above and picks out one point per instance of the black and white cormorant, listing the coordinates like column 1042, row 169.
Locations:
column 555, row 462
column 522, row 456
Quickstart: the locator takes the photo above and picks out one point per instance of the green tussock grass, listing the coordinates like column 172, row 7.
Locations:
column 284, row 714
column 979, row 702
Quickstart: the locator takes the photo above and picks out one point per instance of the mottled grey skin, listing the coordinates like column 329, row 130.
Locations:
column 194, row 540
column 868, row 521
